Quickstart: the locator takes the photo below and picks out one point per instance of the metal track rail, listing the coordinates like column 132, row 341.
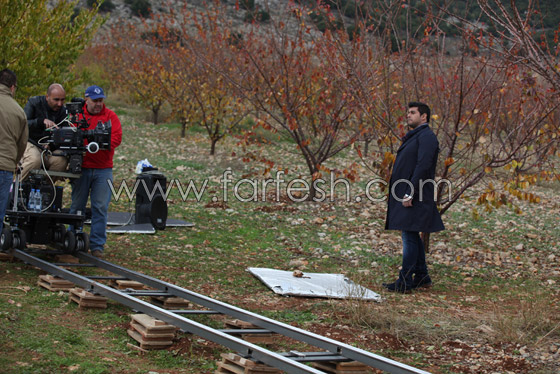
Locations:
column 291, row 362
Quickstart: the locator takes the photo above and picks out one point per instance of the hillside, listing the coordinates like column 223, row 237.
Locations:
column 546, row 18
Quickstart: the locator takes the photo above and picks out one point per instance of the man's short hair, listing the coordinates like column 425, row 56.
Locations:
column 54, row 86
column 8, row 78
column 422, row 109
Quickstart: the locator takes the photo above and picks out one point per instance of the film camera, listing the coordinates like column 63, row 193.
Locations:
column 72, row 139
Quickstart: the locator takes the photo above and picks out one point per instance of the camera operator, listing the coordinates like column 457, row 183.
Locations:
column 44, row 112
column 97, row 171
column 13, row 136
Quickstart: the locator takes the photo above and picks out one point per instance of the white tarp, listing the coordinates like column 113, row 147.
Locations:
column 313, row 285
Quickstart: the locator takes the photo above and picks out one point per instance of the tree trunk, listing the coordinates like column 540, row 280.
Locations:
column 183, row 129
column 155, row 115
column 213, row 146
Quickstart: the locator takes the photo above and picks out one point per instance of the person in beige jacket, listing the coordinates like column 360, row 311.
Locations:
column 13, row 136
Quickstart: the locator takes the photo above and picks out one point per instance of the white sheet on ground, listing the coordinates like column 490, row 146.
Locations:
column 313, row 285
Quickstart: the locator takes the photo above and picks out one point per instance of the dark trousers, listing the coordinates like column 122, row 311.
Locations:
column 414, row 258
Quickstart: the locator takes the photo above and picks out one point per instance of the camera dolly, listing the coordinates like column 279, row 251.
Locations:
column 46, row 225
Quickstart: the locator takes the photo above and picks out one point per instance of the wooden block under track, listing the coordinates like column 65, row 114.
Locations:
column 144, row 344
column 148, row 335
column 151, row 325
column 349, row 367
column 68, row 259
column 86, row 299
column 251, row 338
column 171, row 302
column 126, row 284
column 235, row 364
column 6, row 257
column 54, row 284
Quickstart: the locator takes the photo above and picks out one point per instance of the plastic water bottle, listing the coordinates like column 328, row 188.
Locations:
column 38, row 200
column 31, row 200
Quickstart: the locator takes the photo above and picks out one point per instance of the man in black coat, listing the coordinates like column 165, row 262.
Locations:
column 411, row 205
column 44, row 113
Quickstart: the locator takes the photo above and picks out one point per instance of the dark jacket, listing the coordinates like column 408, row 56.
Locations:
column 13, row 130
column 36, row 111
column 415, row 164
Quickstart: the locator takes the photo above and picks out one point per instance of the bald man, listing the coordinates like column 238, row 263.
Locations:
column 44, row 112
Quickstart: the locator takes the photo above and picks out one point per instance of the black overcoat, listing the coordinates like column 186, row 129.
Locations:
column 415, row 166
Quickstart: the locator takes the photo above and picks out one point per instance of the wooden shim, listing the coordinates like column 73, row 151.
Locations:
column 148, row 344
column 350, row 367
column 54, row 283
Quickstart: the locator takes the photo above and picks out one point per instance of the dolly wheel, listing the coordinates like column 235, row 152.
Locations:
column 82, row 242
column 59, row 232
column 6, row 238
column 69, row 243
column 19, row 241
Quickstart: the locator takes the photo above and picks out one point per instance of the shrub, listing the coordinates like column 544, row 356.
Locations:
column 259, row 16
column 140, row 8
column 106, row 6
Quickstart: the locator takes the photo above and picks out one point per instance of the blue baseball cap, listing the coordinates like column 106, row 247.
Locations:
column 95, row 92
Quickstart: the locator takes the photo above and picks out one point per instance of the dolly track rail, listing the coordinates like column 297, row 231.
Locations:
column 287, row 362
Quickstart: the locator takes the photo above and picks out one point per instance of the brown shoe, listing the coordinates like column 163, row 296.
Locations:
column 98, row 254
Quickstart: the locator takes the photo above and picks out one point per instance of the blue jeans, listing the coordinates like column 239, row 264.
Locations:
column 94, row 184
column 6, row 178
column 414, row 258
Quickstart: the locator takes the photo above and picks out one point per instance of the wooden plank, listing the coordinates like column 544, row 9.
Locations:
column 6, row 257
column 54, row 284
column 86, row 299
column 125, row 284
column 259, row 338
column 152, row 325
column 239, row 324
column 351, row 367
column 252, row 338
column 53, row 288
column 148, row 344
column 88, row 304
column 238, row 364
column 69, row 259
column 149, row 335
column 232, row 357
column 85, row 295
column 171, row 302
column 227, row 368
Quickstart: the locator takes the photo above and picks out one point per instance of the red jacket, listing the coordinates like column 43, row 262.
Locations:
column 103, row 158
